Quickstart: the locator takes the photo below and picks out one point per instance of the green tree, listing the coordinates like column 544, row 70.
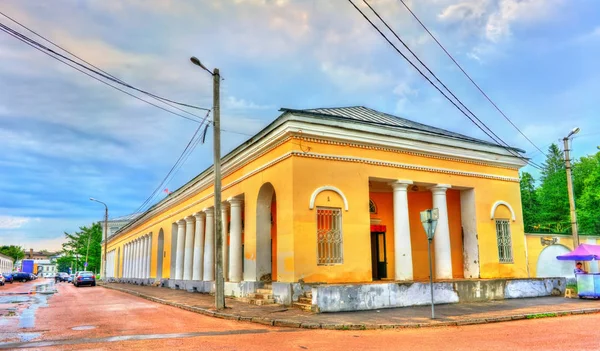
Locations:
column 552, row 193
column 529, row 201
column 82, row 244
column 16, row 252
column 588, row 201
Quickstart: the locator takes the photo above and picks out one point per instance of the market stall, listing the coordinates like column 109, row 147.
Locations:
column 588, row 284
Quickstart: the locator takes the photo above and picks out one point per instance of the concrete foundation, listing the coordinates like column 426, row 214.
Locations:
column 357, row 297
column 371, row 296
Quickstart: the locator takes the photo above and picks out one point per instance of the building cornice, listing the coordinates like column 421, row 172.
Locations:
column 290, row 126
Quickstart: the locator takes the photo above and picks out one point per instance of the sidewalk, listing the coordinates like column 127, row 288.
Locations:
column 407, row 317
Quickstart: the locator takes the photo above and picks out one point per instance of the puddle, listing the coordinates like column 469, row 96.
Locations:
column 84, row 327
column 28, row 336
column 14, row 299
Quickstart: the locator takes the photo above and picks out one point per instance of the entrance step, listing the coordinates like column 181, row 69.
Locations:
column 261, row 296
column 303, row 306
column 264, row 291
column 268, row 286
column 305, row 300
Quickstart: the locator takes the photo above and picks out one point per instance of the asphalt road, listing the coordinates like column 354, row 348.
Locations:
column 94, row 318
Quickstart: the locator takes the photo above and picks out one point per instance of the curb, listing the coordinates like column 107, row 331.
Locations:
column 346, row 326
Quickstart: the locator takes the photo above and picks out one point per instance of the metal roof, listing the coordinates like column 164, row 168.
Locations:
column 128, row 217
column 370, row 116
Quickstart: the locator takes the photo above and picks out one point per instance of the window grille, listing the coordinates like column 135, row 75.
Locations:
column 372, row 207
column 504, row 243
column 329, row 236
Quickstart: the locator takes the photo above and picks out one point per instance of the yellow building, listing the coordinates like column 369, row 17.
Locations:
column 333, row 195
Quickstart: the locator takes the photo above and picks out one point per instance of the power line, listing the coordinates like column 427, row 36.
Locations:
column 105, row 74
column 17, row 36
column 469, row 77
column 499, row 140
column 508, row 148
column 191, row 145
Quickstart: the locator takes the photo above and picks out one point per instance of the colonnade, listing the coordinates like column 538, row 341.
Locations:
column 110, row 264
column 195, row 250
column 6, row 264
column 402, row 241
column 136, row 258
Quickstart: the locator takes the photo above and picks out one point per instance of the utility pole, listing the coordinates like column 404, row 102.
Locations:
column 219, row 278
column 220, row 283
column 105, row 237
column 570, row 188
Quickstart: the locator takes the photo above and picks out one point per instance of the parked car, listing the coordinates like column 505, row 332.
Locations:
column 9, row 277
column 70, row 278
column 85, row 278
column 62, row 277
column 2, row 280
column 22, row 277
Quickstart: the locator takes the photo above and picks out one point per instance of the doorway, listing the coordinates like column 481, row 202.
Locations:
column 378, row 255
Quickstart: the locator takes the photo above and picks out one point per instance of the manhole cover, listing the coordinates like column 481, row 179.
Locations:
column 84, row 327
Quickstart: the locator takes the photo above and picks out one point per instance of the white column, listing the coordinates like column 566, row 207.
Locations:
column 136, row 258
column 139, row 258
column 209, row 245
column 126, row 261
column 189, row 248
column 144, row 257
column 180, row 249
column 441, row 240
column 235, row 257
column 149, row 263
column 402, row 244
column 225, row 221
column 129, row 258
column 198, row 264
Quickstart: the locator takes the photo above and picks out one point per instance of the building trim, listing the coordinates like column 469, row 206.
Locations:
column 500, row 202
column 317, row 191
column 406, row 166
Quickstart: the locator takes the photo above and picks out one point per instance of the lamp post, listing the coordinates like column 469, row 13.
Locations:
column 105, row 236
column 219, row 278
column 429, row 220
column 570, row 187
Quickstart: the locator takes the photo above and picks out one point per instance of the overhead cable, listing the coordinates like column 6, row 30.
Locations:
column 489, row 134
column 469, row 77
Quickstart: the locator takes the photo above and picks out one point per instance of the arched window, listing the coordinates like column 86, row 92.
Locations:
column 372, row 206
column 503, row 233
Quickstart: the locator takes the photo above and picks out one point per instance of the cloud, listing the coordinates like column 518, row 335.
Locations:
column 10, row 222
column 494, row 20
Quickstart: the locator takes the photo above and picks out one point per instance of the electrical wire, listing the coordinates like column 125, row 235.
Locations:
column 508, row 148
column 105, row 74
column 93, row 77
column 499, row 140
column 189, row 148
column 469, row 77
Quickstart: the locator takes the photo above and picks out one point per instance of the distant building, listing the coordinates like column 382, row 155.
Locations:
column 46, row 268
column 114, row 224
column 39, row 255
column 6, row 264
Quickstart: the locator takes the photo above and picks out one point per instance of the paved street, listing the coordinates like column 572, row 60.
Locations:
column 103, row 319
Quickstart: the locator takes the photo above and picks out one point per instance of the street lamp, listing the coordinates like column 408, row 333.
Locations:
column 220, row 280
column 570, row 187
column 105, row 236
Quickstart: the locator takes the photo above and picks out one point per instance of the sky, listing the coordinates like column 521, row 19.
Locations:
column 65, row 137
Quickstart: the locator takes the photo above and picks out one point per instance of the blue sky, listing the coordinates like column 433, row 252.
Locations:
column 65, row 137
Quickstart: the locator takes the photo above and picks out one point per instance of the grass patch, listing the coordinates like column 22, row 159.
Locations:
column 541, row 315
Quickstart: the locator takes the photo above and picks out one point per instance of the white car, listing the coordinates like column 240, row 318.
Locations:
column 2, row 280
